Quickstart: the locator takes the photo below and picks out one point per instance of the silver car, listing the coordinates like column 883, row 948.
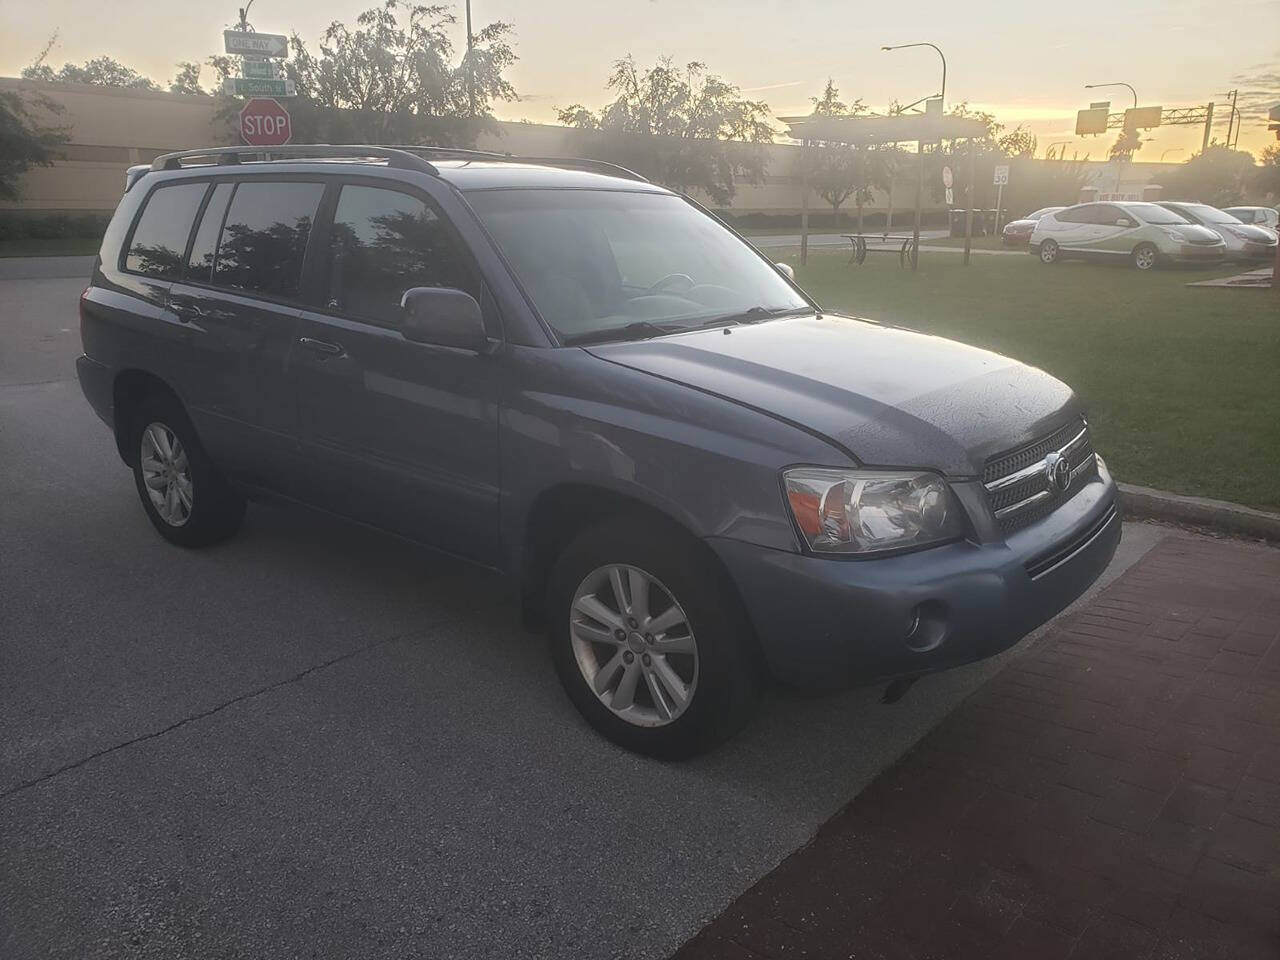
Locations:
column 1244, row 241
column 1258, row 216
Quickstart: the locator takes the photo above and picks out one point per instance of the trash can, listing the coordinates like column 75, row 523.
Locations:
column 957, row 223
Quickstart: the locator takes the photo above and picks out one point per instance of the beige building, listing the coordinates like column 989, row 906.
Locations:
column 112, row 128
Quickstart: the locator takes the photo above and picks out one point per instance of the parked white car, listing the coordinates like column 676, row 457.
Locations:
column 1244, row 241
column 1258, row 216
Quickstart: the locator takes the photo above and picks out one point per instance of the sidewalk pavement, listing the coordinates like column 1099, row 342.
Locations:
column 1113, row 792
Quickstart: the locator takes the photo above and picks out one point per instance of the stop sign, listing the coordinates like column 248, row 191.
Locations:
column 264, row 123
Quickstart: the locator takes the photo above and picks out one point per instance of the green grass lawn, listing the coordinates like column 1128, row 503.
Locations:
column 60, row 247
column 1181, row 384
column 979, row 243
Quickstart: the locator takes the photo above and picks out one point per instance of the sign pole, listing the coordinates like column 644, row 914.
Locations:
column 999, row 206
column 968, row 202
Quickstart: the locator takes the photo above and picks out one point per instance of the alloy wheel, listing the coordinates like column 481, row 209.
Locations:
column 634, row 645
column 166, row 473
column 1144, row 258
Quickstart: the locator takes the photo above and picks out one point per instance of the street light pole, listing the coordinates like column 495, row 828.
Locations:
column 1115, row 83
column 1169, row 151
column 943, row 95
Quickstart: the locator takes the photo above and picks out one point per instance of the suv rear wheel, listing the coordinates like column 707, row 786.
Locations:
column 649, row 644
column 184, row 496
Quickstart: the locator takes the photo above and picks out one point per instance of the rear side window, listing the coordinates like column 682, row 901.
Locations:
column 382, row 243
column 265, row 236
column 205, row 245
column 1074, row 215
column 160, row 239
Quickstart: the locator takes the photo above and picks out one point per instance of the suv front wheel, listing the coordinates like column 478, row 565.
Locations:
column 649, row 642
column 184, row 496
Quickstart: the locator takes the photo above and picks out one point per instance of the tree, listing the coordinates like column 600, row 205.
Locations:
column 1266, row 179
column 1218, row 176
column 393, row 77
column 24, row 141
column 683, row 127
column 1126, row 145
column 837, row 171
column 100, row 72
column 187, row 79
column 1020, row 142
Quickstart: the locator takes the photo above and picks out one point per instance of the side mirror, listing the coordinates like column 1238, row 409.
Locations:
column 443, row 316
column 1125, row 222
column 786, row 270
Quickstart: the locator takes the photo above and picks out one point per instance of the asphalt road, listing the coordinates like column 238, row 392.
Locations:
column 318, row 741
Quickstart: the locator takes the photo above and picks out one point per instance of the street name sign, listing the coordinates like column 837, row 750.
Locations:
column 265, row 123
column 244, row 43
column 255, row 87
column 261, row 70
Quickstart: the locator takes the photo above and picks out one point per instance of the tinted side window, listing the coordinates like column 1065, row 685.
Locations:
column 205, row 245
column 1107, row 215
column 1073, row 215
column 160, row 239
column 382, row 243
column 265, row 236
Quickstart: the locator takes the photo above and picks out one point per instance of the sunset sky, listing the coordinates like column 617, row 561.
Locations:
column 1026, row 62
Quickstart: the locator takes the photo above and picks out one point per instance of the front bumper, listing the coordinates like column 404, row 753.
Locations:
column 825, row 621
column 1194, row 253
column 1251, row 250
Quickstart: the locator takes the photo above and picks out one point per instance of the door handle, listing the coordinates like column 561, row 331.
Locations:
column 185, row 310
column 321, row 346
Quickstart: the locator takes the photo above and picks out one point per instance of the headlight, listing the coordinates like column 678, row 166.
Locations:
column 1174, row 235
column 862, row 511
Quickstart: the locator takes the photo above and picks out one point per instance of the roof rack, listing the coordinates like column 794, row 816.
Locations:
column 223, row 156
column 400, row 156
column 572, row 163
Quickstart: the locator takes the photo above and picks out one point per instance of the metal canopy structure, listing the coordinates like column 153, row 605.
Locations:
column 872, row 130
column 866, row 131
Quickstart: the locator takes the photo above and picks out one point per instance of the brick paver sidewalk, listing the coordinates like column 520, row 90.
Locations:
column 1114, row 792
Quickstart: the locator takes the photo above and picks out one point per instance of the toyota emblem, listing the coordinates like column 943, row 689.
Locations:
column 1057, row 471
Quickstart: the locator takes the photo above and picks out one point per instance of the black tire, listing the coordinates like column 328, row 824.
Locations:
column 216, row 509
column 728, row 675
column 1145, row 256
column 1049, row 252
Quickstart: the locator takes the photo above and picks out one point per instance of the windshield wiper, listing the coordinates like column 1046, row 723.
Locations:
column 636, row 330
column 754, row 315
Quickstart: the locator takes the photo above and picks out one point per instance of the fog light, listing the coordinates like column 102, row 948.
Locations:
column 929, row 626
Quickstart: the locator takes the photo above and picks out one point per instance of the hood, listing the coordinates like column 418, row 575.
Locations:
column 1021, row 225
column 1193, row 232
column 889, row 397
column 1254, row 232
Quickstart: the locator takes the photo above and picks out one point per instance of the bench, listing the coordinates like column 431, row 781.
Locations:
column 864, row 243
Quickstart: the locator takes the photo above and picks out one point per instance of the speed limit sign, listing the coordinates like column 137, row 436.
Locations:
column 1001, row 177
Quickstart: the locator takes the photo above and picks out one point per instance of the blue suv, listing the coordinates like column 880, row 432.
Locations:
column 696, row 477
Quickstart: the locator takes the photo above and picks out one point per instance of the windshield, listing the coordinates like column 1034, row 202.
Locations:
column 1208, row 214
column 1150, row 213
column 1042, row 211
column 608, row 264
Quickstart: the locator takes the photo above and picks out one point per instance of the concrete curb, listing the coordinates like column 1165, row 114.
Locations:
column 1216, row 515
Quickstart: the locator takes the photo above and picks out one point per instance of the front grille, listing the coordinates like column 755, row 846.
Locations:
column 1019, row 486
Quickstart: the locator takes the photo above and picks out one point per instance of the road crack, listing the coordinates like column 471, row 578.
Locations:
column 250, row 695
